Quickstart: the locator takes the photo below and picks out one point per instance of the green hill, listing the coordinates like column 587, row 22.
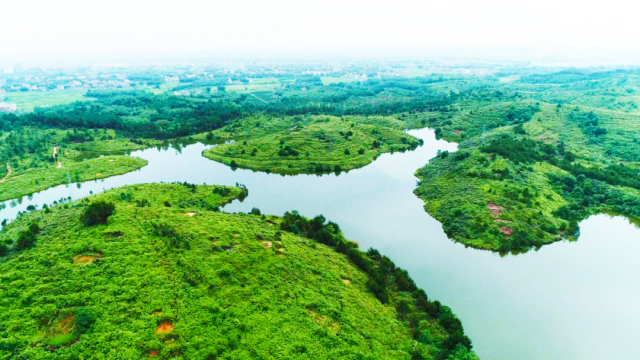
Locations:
column 158, row 270
column 310, row 144
column 527, row 172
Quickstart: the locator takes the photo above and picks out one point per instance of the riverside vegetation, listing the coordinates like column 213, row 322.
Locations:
column 37, row 159
column 158, row 270
column 308, row 144
column 526, row 146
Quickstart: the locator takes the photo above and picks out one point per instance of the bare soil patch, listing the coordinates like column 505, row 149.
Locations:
column 65, row 326
column 164, row 328
column 153, row 353
column 457, row 131
column 190, row 214
column 156, row 312
column 85, row 259
column 506, row 231
column 346, row 281
column 266, row 244
column 494, row 209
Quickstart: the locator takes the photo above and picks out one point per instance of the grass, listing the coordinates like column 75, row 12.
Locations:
column 30, row 99
column 207, row 282
column 313, row 144
column 34, row 180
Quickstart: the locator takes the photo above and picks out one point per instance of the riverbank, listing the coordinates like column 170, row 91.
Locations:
column 308, row 145
column 175, row 237
column 35, row 180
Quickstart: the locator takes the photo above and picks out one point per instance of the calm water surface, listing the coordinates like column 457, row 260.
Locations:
column 569, row 300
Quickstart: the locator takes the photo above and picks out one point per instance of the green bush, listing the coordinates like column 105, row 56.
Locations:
column 97, row 213
column 84, row 318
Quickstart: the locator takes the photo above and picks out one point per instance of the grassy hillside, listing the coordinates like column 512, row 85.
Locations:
column 528, row 171
column 34, row 159
column 167, row 275
column 34, row 180
column 311, row 144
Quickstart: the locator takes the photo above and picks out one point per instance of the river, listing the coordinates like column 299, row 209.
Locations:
column 569, row 300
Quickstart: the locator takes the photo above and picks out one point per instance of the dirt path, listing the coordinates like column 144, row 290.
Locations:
column 266, row 102
column 59, row 165
column 55, row 151
column 8, row 174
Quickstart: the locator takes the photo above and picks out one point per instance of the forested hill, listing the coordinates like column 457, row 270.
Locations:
column 140, row 114
column 159, row 271
column 529, row 170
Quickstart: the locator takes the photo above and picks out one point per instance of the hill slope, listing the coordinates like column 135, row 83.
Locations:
column 168, row 275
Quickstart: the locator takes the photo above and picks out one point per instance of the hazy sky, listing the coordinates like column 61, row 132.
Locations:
column 143, row 26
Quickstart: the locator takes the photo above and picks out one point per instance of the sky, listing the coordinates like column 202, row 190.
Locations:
column 44, row 27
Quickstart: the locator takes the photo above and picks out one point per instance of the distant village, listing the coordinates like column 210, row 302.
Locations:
column 184, row 79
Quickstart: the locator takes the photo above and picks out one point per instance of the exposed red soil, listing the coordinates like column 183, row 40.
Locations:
column 456, row 131
column 376, row 149
column 164, row 328
column 85, row 259
column 153, row 353
column 494, row 209
column 506, row 231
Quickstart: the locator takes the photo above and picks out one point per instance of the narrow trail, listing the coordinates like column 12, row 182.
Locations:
column 55, row 151
column 266, row 102
column 8, row 174
column 59, row 165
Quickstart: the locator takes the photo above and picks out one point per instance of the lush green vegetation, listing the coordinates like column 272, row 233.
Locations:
column 528, row 182
column 158, row 270
column 32, row 181
column 309, row 144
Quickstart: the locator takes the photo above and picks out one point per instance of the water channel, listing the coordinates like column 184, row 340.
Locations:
column 569, row 300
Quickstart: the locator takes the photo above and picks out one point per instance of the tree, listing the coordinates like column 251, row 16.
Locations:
column 27, row 238
column 97, row 213
column 84, row 318
column 255, row 211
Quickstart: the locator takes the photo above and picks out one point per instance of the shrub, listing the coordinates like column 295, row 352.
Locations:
column 84, row 318
column 27, row 238
column 97, row 213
